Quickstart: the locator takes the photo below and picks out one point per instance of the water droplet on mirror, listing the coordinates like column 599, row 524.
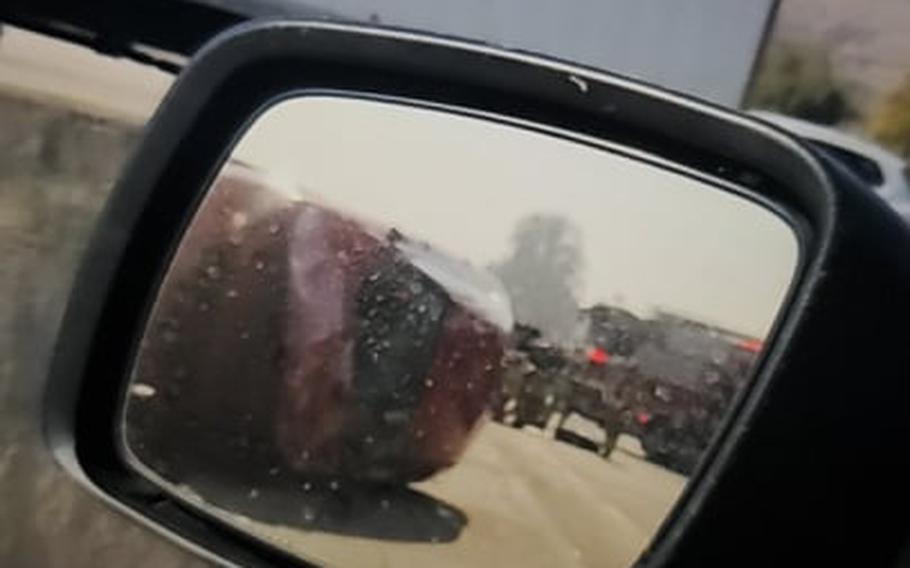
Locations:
column 385, row 504
column 232, row 293
column 169, row 336
column 369, row 440
column 429, row 383
column 254, row 493
column 308, row 515
column 305, row 455
column 213, row 272
column 142, row 390
column 470, row 385
column 444, row 513
column 307, row 486
column 274, row 228
column 273, row 472
column 420, row 434
column 238, row 220
column 422, row 308
column 259, row 265
column 245, row 335
column 334, row 485
column 204, row 306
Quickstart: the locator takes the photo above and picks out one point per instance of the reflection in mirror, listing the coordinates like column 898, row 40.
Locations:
column 395, row 335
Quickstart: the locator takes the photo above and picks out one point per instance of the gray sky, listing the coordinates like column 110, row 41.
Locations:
column 650, row 238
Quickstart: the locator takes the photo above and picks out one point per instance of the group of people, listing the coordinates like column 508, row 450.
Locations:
column 545, row 386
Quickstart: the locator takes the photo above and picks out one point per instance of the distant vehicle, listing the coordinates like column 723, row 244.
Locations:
column 670, row 389
column 885, row 172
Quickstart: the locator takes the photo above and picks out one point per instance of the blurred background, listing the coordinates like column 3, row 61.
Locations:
column 840, row 63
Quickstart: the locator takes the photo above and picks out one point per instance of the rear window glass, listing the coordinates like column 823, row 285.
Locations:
column 866, row 169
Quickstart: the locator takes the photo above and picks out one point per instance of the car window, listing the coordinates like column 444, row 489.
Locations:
column 64, row 139
column 70, row 117
column 866, row 169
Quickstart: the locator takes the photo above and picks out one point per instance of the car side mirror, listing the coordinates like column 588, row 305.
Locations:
column 367, row 296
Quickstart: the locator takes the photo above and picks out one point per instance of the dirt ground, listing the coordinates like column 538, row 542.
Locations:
column 515, row 499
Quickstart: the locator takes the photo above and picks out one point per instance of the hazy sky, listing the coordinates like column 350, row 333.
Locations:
column 649, row 238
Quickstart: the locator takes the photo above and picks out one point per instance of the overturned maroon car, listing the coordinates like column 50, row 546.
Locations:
column 291, row 341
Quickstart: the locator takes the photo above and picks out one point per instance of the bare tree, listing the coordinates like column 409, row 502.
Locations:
column 542, row 275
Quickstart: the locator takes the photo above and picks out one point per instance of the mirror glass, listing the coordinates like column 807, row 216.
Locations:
column 396, row 335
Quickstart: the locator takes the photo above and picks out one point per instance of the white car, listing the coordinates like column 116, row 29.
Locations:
column 885, row 172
